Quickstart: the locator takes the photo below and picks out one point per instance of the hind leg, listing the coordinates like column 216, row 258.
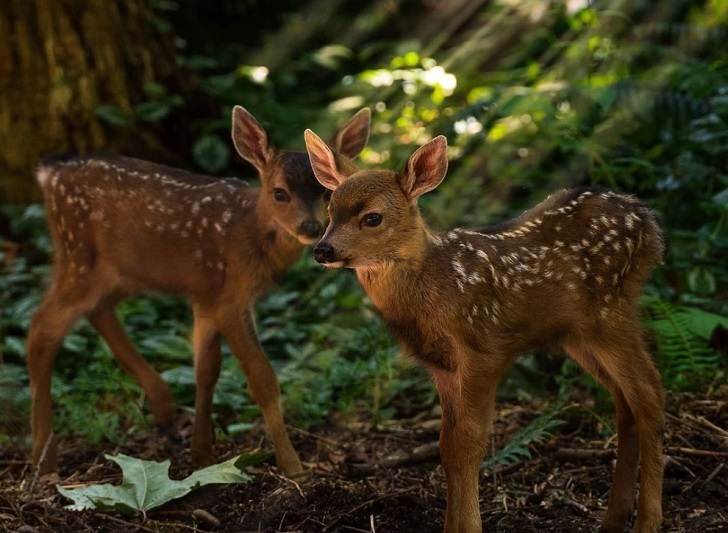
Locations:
column 617, row 357
column 624, row 479
column 58, row 312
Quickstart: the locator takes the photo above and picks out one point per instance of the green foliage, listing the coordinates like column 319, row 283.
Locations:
column 683, row 334
column 146, row 485
column 517, row 448
column 211, row 153
column 158, row 107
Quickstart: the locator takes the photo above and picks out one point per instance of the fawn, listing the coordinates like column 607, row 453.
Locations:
column 465, row 303
column 121, row 226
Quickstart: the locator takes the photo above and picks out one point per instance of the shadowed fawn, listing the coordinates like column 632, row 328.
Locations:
column 567, row 273
column 121, row 226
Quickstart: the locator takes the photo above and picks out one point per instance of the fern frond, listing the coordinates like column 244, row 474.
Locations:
column 517, row 448
column 682, row 335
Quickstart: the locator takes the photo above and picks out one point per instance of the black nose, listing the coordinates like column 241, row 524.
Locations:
column 311, row 228
column 323, row 252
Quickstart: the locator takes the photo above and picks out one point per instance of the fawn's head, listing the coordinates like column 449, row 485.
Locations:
column 290, row 192
column 373, row 214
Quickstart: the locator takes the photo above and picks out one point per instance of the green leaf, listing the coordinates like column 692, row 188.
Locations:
column 112, row 114
column 701, row 281
column 210, row 153
column 703, row 323
column 146, row 485
column 152, row 111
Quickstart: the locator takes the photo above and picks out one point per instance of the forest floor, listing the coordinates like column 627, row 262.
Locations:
column 390, row 480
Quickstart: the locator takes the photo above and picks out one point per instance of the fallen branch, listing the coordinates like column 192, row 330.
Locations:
column 424, row 452
column 693, row 451
column 580, row 454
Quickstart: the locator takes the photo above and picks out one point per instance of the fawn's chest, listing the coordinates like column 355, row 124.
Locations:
column 417, row 315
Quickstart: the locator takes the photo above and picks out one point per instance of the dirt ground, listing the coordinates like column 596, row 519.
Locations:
column 389, row 479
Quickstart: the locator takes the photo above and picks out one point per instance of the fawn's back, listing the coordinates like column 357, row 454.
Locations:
column 574, row 259
column 139, row 225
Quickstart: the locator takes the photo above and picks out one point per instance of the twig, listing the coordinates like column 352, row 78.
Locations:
column 714, row 472
column 578, row 454
column 38, row 466
column 702, row 420
column 691, row 424
column 125, row 523
column 421, row 453
column 693, row 451
column 312, row 435
column 576, row 505
column 207, row 517
column 289, row 480
column 367, row 503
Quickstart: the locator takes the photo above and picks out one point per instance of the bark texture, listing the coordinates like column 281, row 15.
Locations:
column 62, row 59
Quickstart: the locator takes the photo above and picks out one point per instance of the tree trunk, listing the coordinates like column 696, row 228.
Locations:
column 62, row 59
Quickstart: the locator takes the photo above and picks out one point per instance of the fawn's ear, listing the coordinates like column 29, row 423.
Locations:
column 352, row 137
column 250, row 139
column 425, row 169
column 323, row 161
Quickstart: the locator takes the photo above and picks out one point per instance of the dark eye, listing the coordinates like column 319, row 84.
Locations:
column 372, row 220
column 281, row 195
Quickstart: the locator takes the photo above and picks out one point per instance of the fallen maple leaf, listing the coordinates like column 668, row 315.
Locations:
column 146, row 485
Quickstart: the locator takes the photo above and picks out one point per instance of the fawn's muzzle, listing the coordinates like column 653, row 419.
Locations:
column 311, row 228
column 323, row 253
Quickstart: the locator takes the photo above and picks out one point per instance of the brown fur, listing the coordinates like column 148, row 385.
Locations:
column 121, row 226
column 465, row 303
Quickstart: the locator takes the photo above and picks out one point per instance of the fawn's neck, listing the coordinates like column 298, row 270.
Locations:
column 278, row 248
column 396, row 280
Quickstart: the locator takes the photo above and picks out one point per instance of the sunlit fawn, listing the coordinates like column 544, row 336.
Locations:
column 121, row 226
column 567, row 273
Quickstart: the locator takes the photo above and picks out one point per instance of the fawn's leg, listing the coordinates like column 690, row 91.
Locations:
column 58, row 311
column 622, row 353
column 468, row 400
column 641, row 386
column 208, row 359
column 104, row 320
column 239, row 331
column 624, row 479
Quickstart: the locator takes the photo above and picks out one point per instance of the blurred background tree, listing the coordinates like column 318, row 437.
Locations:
column 532, row 95
column 86, row 75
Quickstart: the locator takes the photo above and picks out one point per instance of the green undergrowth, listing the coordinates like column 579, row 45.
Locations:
column 329, row 347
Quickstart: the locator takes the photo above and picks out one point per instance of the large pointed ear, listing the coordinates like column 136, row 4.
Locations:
column 250, row 139
column 425, row 169
column 323, row 161
column 352, row 137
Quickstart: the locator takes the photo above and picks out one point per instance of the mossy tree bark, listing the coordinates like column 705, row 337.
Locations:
column 60, row 61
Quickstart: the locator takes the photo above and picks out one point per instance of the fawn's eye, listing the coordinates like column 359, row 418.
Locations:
column 372, row 220
column 281, row 195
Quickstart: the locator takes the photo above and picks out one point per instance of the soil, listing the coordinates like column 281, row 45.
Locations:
column 389, row 479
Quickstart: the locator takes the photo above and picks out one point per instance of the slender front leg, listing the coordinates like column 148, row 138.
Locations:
column 240, row 334
column 467, row 413
column 208, row 359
